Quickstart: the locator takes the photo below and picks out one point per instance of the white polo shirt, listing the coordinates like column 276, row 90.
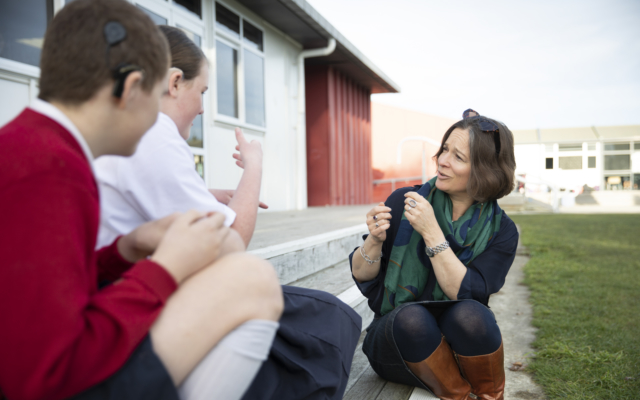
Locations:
column 159, row 179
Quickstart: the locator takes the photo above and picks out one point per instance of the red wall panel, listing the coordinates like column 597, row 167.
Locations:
column 338, row 139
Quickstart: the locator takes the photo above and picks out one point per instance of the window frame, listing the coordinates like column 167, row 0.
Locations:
column 620, row 172
column 238, row 44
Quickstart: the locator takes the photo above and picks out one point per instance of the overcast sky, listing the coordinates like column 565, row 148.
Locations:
column 531, row 64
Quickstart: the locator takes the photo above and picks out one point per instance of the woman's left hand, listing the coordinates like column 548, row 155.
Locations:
column 422, row 218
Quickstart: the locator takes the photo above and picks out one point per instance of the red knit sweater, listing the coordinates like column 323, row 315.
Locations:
column 59, row 334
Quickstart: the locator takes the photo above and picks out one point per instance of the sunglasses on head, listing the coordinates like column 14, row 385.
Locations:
column 485, row 125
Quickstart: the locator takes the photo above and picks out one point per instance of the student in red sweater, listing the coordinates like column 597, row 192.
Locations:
column 103, row 68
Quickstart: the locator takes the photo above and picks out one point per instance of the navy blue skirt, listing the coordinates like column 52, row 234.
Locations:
column 312, row 351
column 142, row 377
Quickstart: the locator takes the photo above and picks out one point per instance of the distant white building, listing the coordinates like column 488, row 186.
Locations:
column 603, row 157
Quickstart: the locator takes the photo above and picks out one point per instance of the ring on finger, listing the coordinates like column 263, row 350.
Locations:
column 377, row 225
column 375, row 217
column 412, row 203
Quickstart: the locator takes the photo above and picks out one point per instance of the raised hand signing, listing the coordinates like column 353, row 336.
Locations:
column 422, row 218
column 248, row 153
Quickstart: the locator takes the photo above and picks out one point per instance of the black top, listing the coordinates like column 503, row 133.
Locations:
column 485, row 274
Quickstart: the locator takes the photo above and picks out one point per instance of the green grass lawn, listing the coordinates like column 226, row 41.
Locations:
column 584, row 276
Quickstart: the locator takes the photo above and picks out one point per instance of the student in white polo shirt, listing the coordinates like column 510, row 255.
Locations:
column 312, row 352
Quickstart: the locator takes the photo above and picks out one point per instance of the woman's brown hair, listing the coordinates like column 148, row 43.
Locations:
column 185, row 54
column 493, row 162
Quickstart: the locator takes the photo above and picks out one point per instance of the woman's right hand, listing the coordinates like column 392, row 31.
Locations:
column 192, row 242
column 378, row 221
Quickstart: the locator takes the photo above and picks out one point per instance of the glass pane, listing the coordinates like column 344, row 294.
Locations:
column 196, row 39
column 618, row 182
column 636, row 182
column 158, row 20
column 252, row 35
column 570, row 147
column 636, row 146
column 617, row 146
column 549, row 163
column 194, row 6
column 591, row 146
column 227, row 21
column 592, row 161
column 570, row 162
column 226, row 78
column 195, row 136
column 621, row 161
column 199, row 161
column 254, row 88
column 22, row 27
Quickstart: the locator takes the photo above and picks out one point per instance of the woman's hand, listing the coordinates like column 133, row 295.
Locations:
column 378, row 221
column 143, row 241
column 422, row 219
column 193, row 241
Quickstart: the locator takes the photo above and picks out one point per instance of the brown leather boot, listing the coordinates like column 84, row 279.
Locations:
column 441, row 374
column 485, row 374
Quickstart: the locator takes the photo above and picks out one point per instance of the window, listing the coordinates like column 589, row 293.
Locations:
column 574, row 162
column 617, row 182
column 199, row 161
column 239, row 42
column 227, row 21
column 548, row 148
column 549, row 163
column 591, row 162
column 22, row 27
column 617, row 162
column 254, row 88
column 157, row 19
column 616, row 146
column 591, row 146
column 226, row 79
column 570, row 147
column 636, row 182
column 194, row 6
column 636, row 146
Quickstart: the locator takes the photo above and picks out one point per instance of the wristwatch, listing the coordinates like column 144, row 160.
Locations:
column 432, row 251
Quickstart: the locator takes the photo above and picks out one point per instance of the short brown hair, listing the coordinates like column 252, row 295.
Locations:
column 185, row 54
column 74, row 64
column 492, row 173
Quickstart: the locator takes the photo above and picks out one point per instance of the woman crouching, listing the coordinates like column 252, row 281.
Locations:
column 434, row 255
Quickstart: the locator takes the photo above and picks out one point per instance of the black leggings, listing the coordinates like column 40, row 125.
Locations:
column 468, row 326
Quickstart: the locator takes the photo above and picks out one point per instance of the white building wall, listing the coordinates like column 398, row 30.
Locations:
column 278, row 138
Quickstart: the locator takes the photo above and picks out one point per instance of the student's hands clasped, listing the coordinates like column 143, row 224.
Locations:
column 191, row 243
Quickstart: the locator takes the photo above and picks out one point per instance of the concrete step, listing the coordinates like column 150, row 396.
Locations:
column 297, row 259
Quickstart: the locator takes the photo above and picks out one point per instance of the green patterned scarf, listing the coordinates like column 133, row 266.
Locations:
column 406, row 274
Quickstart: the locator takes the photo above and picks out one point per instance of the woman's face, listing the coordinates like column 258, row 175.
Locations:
column 190, row 100
column 454, row 164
